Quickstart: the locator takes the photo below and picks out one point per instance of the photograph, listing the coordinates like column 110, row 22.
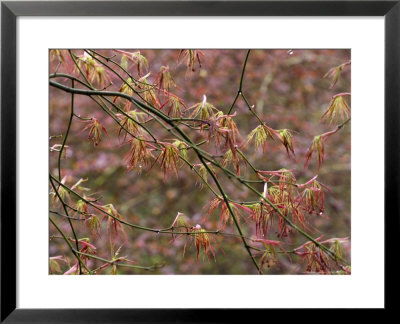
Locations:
column 245, row 149
column 199, row 161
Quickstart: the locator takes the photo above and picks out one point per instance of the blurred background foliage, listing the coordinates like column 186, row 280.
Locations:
column 287, row 90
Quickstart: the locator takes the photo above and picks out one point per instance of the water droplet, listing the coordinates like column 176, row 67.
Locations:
column 290, row 52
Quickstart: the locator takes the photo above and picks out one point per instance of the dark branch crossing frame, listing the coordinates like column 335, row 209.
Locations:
column 9, row 13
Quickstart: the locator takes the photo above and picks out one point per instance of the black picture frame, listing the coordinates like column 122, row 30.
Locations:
column 9, row 13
